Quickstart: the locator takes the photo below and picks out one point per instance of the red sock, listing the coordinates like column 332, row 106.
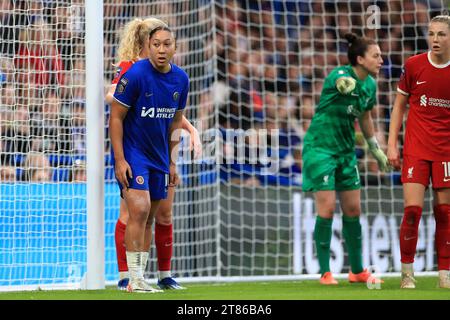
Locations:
column 409, row 232
column 164, row 245
column 442, row 235
column 120, row 246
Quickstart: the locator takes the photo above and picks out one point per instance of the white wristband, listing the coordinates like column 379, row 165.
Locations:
column 373, row 143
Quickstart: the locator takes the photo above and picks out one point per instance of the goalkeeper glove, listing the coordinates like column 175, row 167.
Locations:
column 378, row 154
column 345, row 85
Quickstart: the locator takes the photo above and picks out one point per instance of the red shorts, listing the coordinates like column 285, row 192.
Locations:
column 416, row 170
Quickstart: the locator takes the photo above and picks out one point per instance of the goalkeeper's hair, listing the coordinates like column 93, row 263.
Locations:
column 442, row 18
column 357, row 47
column 133, row 37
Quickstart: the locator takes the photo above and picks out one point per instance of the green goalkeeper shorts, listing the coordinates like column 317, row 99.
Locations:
column 323, row 171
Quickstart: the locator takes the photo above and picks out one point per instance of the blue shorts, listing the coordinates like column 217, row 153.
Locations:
column 146, row 178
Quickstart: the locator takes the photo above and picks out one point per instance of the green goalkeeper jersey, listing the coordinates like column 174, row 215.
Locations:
column 332, row 129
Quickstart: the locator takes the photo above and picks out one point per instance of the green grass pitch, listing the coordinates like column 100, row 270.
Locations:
column 426, row 289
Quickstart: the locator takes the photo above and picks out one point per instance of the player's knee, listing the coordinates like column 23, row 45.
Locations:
column 353, row 211
column 139, row 215
column 164, row 221
column 412, row 200
column 123, row 215
column 164, row 217
column 326, row 213
column 325, row 208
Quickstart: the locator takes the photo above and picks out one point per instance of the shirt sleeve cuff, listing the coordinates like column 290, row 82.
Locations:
column 402, row 92
column 122, row 103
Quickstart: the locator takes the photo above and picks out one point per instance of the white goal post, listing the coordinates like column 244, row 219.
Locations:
column 95, row 137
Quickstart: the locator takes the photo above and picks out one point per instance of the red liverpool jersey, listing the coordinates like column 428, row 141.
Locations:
column 121, row 69
column 428, row 125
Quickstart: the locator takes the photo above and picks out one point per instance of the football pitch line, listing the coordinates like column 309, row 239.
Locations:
column 426, row 289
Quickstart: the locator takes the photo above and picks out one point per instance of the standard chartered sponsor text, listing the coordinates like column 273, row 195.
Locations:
column 435, row 102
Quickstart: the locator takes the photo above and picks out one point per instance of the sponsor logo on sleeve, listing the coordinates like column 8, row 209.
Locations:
column 122, row 84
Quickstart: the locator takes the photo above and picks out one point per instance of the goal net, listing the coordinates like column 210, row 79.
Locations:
column 256, row 70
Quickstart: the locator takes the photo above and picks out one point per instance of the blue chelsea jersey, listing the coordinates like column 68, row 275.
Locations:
column 152, row 99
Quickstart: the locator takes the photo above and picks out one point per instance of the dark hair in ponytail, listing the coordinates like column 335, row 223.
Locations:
column 357, row 47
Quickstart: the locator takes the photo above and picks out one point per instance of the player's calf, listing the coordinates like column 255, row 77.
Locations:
column 442, row 236
column 409, row 230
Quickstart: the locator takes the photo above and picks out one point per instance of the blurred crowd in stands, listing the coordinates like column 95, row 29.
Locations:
column 256, row 69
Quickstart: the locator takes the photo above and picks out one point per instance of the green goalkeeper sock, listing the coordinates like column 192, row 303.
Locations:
column 351, row 230
column 322, row 237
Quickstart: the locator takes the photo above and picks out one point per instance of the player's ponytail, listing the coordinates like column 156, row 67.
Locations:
column 130, row 44
column 357, row 47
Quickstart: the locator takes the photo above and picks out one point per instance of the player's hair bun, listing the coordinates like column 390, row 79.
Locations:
column 351, row 37
column 357, row 46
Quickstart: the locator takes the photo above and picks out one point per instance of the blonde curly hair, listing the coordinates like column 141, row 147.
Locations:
column 133, row 36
